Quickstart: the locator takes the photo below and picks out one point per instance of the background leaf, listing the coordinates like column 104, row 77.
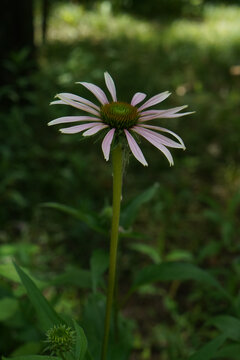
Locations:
column 129, row 213
column 229, row 351
column 146, row 250
column 28, row 348
column 208, row 351
column 8, row 307
column 32, row 357
column 78, row 277
column 99, row 264
column 228, row 325
column 170, row 271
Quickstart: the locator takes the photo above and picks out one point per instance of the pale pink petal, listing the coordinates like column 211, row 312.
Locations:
column 151, row 117
column 161, row 139
column 179, row 115
column 80, row 99
column 100, row 95
column 167, row 111
column 95, row 129
column 155, row 100
column 137, row 152
column 137, row 98
column 110, row 85
column 164, row 116
column 77, row 129
column 164, row 130
column 167, row 114
column 106, row 144
column 78, row 105
column 159, row 146
column 56, row 102
column 67, row 119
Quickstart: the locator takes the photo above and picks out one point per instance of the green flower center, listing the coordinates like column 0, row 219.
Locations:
column 119, row 115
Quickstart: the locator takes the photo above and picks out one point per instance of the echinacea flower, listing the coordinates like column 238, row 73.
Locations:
column 121, row 119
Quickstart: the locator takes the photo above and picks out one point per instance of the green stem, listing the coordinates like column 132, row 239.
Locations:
column 117, row 193
column 115, row 308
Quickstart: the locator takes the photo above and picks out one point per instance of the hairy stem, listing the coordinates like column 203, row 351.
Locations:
column 117, row 193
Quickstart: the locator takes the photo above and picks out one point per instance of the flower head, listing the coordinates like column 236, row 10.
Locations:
column 60, row 339
column 121, row 119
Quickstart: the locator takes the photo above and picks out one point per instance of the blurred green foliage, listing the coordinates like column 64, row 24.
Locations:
column 160, row 9
column 193, row 214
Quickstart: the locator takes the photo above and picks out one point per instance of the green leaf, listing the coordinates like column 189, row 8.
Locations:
column 81, row 342
column 229, row 351
column 27, row 348
column 130, row 212
column 209, row 351
column 99, row 264
column 121, row 349
column 132, row 234
column 170, row 271
column 74, row 276
column 8, row 307
column 89, row 219
column 88, row 356
column 92, row 321
column 47, row 315
column 32, row 357
column 179, row 255
column 147, row 250
column 228, row 325
column 9, row 272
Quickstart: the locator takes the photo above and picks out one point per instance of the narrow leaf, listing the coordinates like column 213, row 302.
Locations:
column 89, row 219
column 47, row 315
column 72, row 276
column 9, row 272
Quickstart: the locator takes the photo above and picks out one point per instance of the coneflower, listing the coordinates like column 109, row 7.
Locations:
column 121, row 119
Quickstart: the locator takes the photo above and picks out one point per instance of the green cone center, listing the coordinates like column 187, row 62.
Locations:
column 119, row 115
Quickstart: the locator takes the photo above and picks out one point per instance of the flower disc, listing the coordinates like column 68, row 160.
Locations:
column 119, row 115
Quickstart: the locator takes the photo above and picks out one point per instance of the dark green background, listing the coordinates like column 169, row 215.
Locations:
column 191, row 48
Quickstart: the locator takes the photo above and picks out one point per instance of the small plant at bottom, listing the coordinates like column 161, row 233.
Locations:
column 60, row 339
